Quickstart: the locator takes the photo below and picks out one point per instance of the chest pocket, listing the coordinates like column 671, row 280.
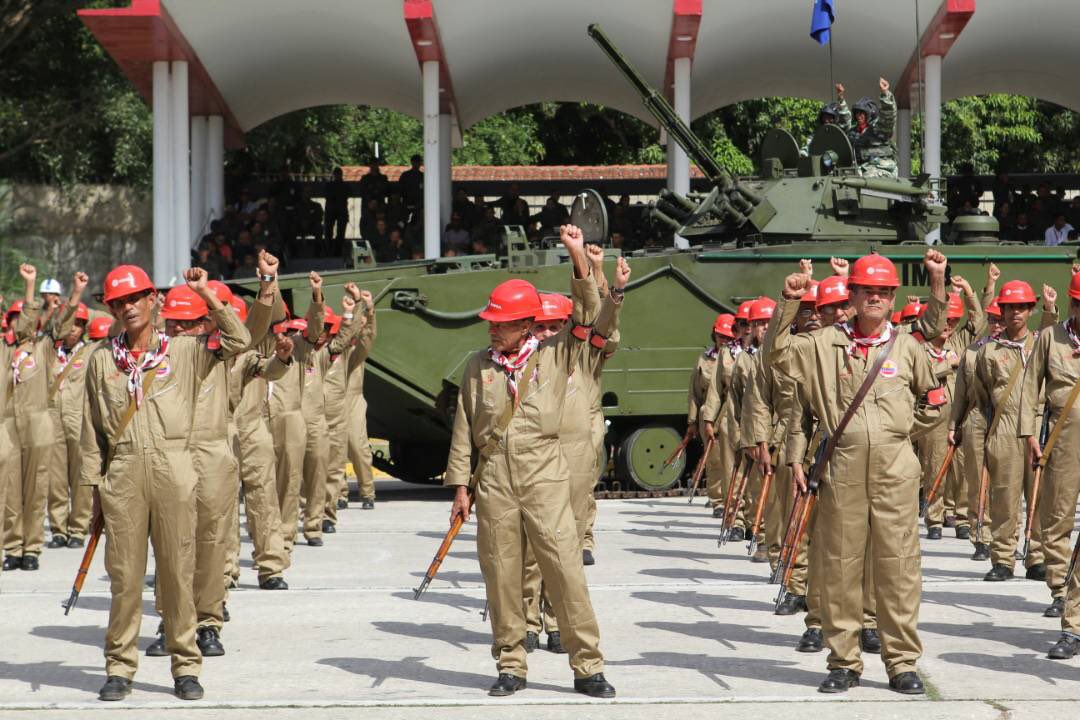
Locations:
column 171, row 409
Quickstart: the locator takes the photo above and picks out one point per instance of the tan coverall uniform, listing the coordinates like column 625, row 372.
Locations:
column 70, row 504
column 1052, row 371
column 579, row 448
column 714, row 409
column 871, row 487
column 523, row 492
column 742, row 377
column 11, row 469
column 26, row 500
column 717, row 464
column 352, row 441
column 149, row 489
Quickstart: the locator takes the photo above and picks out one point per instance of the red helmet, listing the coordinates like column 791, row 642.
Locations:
column 1074, row 287
column 762, row 309
column 331, row 320
column 512, row 300
column 293, row 324
column 183, row 303
column 126, row 280
column 99, row 328
column 239, row 306
column 724, row 325
column 956, row 307
column 911, row 311
column 555, row 307
column 82, row 313
column 224, row 294
column 993, row 309
column 874, row 271
column 743, row 313
column 832, row 289
column 810, row 298
column 1016, row 292
column 15, row 309
column 896, row 318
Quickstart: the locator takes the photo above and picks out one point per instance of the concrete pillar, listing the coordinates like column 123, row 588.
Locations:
column 162, row 156
column 932, row 126
column 903, row 141
column 200, row 224
column 432, row 164
column 446, row 197
column 678, row 163
column 215, row 166
column 181, row 169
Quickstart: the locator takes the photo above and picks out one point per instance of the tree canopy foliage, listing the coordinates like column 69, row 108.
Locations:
column 68, row 115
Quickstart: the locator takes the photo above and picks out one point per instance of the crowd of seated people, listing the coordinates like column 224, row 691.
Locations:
column 1038, row 217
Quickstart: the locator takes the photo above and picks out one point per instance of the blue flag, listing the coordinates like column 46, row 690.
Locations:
column 821, row 20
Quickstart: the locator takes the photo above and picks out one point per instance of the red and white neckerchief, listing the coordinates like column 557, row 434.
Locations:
column 712, row 353
column 514, row 366
column 1074, row 337
column 863, row 344
column 63, row 355
column 1017, row 345
column 133, row 368
column 736, row 348
column 935, row 354
column 16, row 366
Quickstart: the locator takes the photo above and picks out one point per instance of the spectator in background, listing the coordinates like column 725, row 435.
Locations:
column 1072, row 215
column 967, row 186
column 617, row 239
column 396, row 248
column 248, row 266
column 379, row 237
column 1058, row 232
column 455, row 237
column 552, row 216
column 479, row 247
column 374, row 184
column 207, row 259
column 511, row 205
column 466, row 208
column 337, row 213
column 411, row 185
column 1003, row 214
column 369, row 213
column 1002, row 191
column 1023, row 231
column 488, row 229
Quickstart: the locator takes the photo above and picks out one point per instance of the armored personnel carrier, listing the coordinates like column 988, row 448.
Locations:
column 747, row 233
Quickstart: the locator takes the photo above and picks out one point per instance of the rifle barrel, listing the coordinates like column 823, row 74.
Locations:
column 440, row 555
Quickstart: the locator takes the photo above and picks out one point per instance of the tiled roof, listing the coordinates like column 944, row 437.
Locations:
column 534, row 173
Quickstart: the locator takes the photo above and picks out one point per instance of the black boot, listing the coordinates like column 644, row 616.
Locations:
column 1056, row 609
column 315, row 541
column 933, row 533
column 907, row 683
column 870, row 641
column 595, row 686
column 76, row 542
column 208, row 642
column 58, row 541
column 368, row 503
column 999, row 573
column 950, row 521
column 792, row 604
column 187, row 687
column 736, row 534
column 554, row 644
column 30, row 562
column 115, row 688
column 532, row 641
column 12, row 563
column 982, row 552
column 838, row 681
column 963, row 532
column 225, row 613
column 587, row 558
column 1036, row 572
column 1066, row 647
column 718, row 511
column 506, row 684
column 157, row 648
column 328, row 527
column 273, row 583
column 342, row 504
column 810, row 641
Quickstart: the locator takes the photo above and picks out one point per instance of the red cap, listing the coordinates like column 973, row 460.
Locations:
column 555, row 307
column 512, row 300
column 82, row 313
column 743, row 313
column 993, row 309
column 874, row 271
column 724, row 325
column 182, row 303
column 224, row 294
column 1016, row 292
column 762, row 309
column 831, row 290
column 126, row 280
column 896, row 318
column 239, row 306
column 911, row 311
column 1074, row 287
column 810, row 298
column 99, row 328
column 956, row 307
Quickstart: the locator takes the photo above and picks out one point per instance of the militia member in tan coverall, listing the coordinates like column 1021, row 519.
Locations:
column 1011, row 475
column 70, row 505
column 718, row 464
column 1053, row 370
column 143, row 471
column 521, row 484
column 576, row 433
column 872, row 483
column 1056, row 366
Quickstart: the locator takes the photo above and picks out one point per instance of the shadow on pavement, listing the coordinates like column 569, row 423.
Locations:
column 699, row 575
column 454, row 600
column 669, row 535
column 457, row 636
column 55, row 674
column 1030, row 666
column 691, row 555
column 454, row 577
column 1018, row 637
column 727, row 634
column 993, row 601
column 717, row 668
column 699, row 601
column 413, row 670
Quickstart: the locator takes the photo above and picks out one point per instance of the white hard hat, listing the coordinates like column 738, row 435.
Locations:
column 52, row 285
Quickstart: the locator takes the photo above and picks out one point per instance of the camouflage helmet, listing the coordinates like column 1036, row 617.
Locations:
column 868, row 106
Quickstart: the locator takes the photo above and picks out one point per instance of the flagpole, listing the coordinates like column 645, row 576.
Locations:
column 832, row 82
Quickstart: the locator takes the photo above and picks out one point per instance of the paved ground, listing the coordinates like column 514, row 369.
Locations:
column 681, row 623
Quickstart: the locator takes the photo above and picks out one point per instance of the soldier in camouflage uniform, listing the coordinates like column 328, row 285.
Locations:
column 871, row 133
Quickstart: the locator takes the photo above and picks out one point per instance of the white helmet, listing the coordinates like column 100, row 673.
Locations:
column 52, row 285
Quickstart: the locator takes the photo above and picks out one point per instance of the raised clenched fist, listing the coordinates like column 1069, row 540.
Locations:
column 28, row 272
column 622, row 273
column 79, row 282
column 796, row 285
column 571, row 237
column 268, row 264
column 196, row 279
column 839, row 266
column 283, row 348
column 935, row 262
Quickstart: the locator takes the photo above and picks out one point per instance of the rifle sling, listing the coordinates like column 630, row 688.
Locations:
column 129, row 414
column 1013, row 378
column 504, row 422
column 1063, row 417
column 864, row 390
column 64, row 373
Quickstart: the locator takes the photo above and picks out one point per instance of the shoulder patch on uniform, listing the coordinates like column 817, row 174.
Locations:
column 889, row 369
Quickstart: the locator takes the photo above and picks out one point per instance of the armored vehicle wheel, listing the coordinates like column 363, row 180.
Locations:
column 641, row 455
column 417, row 462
